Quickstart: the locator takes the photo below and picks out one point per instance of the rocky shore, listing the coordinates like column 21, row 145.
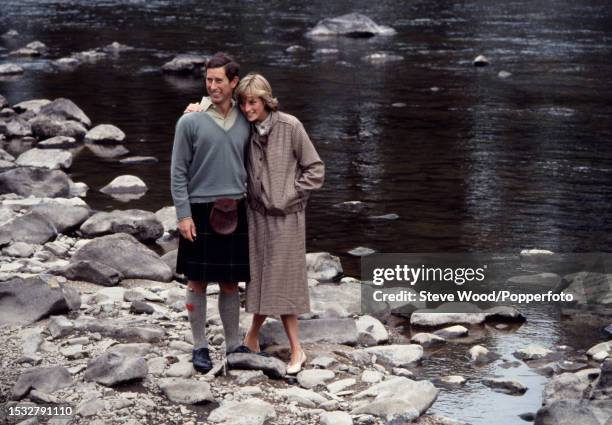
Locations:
column 94, row 318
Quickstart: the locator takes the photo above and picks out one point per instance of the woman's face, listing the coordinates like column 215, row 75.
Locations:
column 253, row 108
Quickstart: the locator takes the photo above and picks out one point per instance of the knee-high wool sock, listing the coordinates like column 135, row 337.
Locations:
column 196, row 311
column 229, row 310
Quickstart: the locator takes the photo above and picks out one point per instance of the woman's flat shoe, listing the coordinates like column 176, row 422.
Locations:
column 293, row 368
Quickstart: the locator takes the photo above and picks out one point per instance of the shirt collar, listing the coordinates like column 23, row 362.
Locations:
column 264, row 127
column 207, row 104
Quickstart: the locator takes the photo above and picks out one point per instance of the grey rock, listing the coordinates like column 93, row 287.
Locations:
column 566, row 386
column 507, row 386
column 434, row 318
column 361, row 251
column 91, row 56
column 251, row 411
column 310, row 378
column 186, row 391
column 133, row 349
column 371, row 331
column 608, row 330
column 341, row 385
column 10, row 69
column 20, row 249
column 33, row 105
column 10, row 34
column 90, row 407
column 481, row 355
column 52, row 159
column 391, row 216
column 323, row 266
column 589, row 288
column 295, row 49
column 30, row 228
column 143, row 225
column 65, row 216
column 45, row 379
column 141, row 307
column 107, row 151
column 65, row 109
column 602, row 387
column 450, row 381
column 396, row 355
column 139, row 160
column 548, row 279
column 271, row 366
column 604, row 348
column 427, row 339
column 456, row 331
column 58, row 142
column 73, row 352
column 105, row 134
column 112, row 368
column 532, row 352
column 40, row 299
column 335, row 418
column 301, row 396
column 16, row 127
column 480, row 61
column 3, row 102
column 339, row 331
column 335, row 301
column 420, row 395
column 349, row 25
column 116, row 47
column 60, row 326
column 121, row 329
column 184, row 64
column 167, row 217
column 125, row 254
column 45, row 127
column 26, row 181
column 125, row 184
column 504, row 314
column 567, row 412
column 91, row 271
column 378, row 58
column 67, row 64
column 181, row 369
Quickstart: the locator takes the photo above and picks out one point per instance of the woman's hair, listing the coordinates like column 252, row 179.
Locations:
column 257, row 86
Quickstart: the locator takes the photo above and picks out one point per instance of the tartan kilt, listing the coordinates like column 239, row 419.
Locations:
column 213, row 257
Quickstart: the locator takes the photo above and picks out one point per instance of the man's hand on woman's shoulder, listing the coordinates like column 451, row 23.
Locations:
column 193, row 107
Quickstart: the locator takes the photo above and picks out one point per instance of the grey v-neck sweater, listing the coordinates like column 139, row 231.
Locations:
column 208, row 162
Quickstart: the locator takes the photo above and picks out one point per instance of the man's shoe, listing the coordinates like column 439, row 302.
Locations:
column 201, row 360
column 241, row 349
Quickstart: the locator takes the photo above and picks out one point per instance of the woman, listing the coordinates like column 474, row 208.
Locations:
column 283, row 167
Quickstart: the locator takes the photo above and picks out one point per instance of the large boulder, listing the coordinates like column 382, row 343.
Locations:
column 124, row 253
column 335, row 301
column 125, row 184
column 31, row 228
column 338, row 331
column 91, row 271
column 25, row 301
column 143, row 225
column 323, row 266
column 112, row 368
column 184, row 64
column 167, row 217
column 30, row 181
column 349, row 25
column 33, row 106
column 64, row 214
column 65, row 109
column 45, row 127
column 568, row 412
column 45, row 379
column 52, row 159
column 589, row 288
column 105, row 133
column 397, row 400
column 395, row 355
column 16, row 127
column 120, row 329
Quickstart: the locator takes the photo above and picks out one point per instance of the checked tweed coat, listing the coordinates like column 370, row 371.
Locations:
column 283, row 167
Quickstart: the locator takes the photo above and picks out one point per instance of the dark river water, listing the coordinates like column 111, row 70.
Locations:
column 469, row 161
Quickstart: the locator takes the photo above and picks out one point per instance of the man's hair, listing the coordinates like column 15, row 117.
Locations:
column 225, row 61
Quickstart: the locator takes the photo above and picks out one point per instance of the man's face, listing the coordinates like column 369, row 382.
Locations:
column 218, row 86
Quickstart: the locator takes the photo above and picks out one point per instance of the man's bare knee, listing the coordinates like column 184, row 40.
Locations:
column 228, row 287
column 196, row 286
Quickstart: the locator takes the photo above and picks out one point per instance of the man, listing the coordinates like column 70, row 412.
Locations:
column 208, row 164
